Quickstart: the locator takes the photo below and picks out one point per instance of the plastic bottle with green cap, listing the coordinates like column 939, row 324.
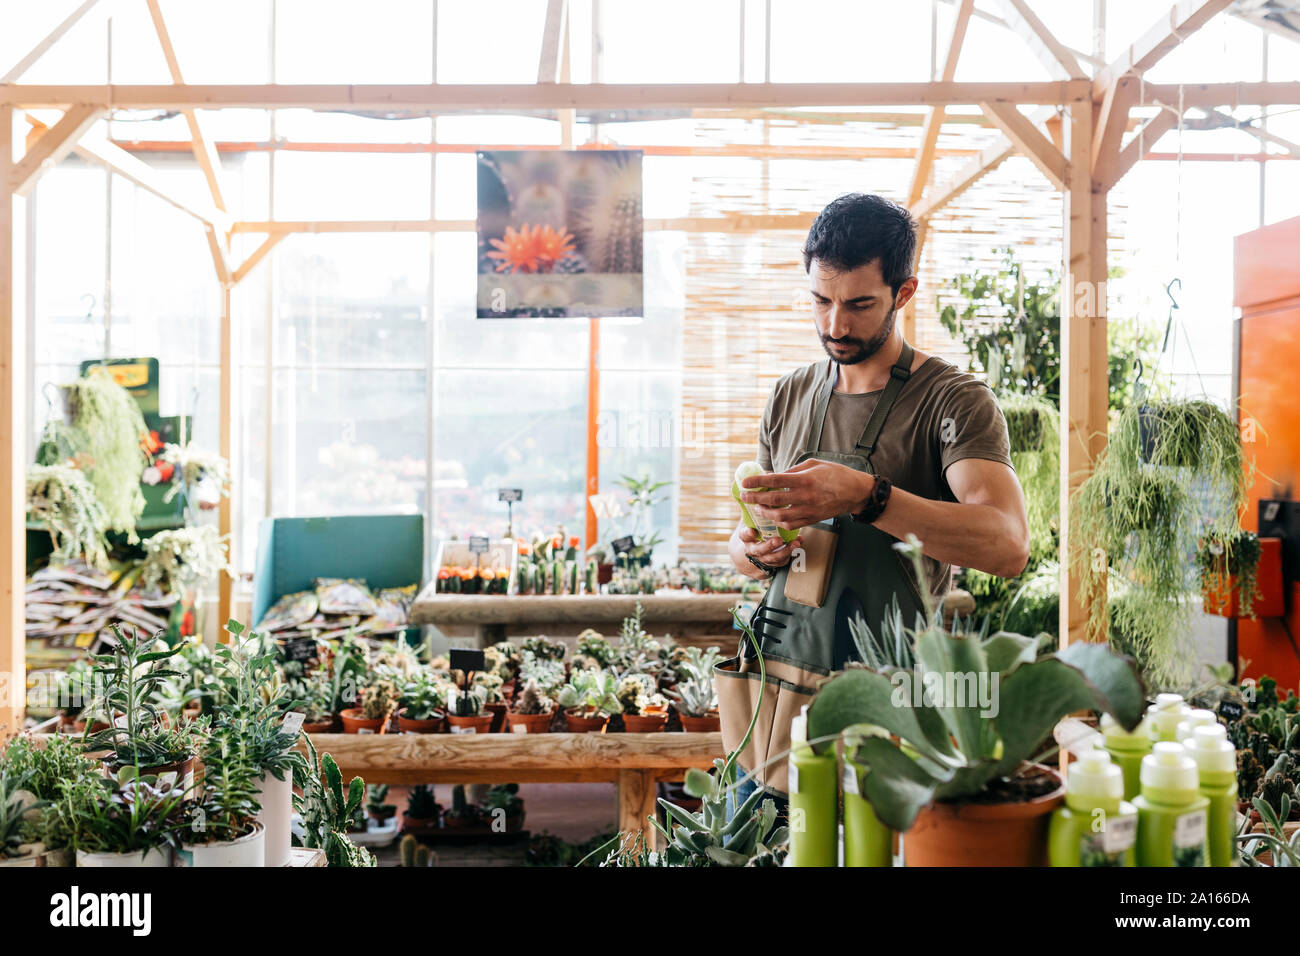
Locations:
column 1216, row 766
column 814, row 799
column 1164, row 716
column 1172, row 815
column 764, row 527
column 1127, row 750
column 1195, row 717
column 867, row 841
column 1096, row 826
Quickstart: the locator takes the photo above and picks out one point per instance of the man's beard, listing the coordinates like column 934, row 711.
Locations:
column 866, row 347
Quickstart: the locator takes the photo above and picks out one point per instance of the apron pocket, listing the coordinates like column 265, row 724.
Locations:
column 738, row 696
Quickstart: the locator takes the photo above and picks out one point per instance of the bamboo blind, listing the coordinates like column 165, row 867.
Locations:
column 747, row 318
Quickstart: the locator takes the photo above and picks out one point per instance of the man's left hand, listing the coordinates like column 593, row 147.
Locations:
column 814, row 491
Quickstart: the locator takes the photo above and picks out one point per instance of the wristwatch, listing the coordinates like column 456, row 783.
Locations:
column 876, row 502
column 767, row 569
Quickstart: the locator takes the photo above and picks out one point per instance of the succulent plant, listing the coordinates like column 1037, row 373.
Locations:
column 420, row 804
column 590, row 691
column 379, row 699
column 532, row 700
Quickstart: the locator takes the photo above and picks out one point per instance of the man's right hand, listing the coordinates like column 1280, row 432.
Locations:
column 772, row 551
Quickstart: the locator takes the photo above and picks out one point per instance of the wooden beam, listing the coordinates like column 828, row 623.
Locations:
column 1110, row 122
column 553, row 29
column 440, row 97
column 980, row 166
column 730, row 223
column 52, row 145
column 1058, row 60
column 226, row 412
column 257, row 255
column 1141, row 144
column 1217, row 119
column 1183, row 19
column 1084, row 358
column 86, row 13
column 1029, row 140
column 13, row 449
column 933, row 123
column 637, row 804
column 204, row 150
column 1200, row 95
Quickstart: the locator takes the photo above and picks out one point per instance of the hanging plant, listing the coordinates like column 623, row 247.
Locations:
column 62, row 498
column 179, row 559
column 1033, row 426
column 102, row 436
column 1230, row 563
column 195, row 466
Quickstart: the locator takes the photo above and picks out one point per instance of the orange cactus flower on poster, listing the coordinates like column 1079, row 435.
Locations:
column 552, row 245
column 530, row 248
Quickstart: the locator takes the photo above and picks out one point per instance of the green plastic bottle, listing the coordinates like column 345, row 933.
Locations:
column 814, row 800
column 1127, row 750
column 1096, row 826
column 1216, row 766
column 765, row 527
column 1195, row 717
column 1172, row 814
column 867, row 841
column 1164, row 716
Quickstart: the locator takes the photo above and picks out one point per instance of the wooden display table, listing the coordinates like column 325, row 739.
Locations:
column 495, row 617
column 636, row 762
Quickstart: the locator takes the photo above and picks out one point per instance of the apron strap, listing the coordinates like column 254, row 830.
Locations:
column 819, row 411
column 898, row 376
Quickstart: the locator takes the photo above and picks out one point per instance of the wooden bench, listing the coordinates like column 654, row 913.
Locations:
column 635, row 762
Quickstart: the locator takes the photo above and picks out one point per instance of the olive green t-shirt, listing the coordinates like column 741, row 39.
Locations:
column 941, row 416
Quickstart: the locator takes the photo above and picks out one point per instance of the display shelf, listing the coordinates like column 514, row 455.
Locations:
column 636, row 762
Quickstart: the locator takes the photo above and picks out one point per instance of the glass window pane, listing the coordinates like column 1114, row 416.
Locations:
column 70, row 216
column 351, row 186
column 341, row 41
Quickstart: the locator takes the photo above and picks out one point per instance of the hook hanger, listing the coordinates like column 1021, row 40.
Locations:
column 1173, row 305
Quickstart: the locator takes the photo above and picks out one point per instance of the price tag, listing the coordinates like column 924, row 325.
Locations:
column 299, row 649
column 292, row 722
column 510, row 494
column 850, row 779
column 623, row 545
column 478, row 544
column 1230, row 710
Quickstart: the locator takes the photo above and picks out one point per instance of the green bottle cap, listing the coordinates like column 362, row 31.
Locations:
column 1169, row 767
column 1210, row 748
column 1094, row 776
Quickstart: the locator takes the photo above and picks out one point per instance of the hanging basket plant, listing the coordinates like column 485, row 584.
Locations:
column 1029, row 421
column 1229, row 566
column 62, row 499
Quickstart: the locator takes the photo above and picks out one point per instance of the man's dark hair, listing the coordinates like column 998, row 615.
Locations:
column 857, row 228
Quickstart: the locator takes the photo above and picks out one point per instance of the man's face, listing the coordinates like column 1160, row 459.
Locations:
column 853, row 311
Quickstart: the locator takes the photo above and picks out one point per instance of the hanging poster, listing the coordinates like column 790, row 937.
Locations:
column 559, row 233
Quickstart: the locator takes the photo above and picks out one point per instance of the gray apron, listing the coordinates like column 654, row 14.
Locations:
column 803, row 645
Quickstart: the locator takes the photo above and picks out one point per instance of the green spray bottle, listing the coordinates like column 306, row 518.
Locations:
column 1195, row 717
column 867, row 841
column 1216, row 766
column 1164, row 716
column 1127, row 750
column 1096, row 826
column 764, row 527
column 1172, row 814
column 814, row 800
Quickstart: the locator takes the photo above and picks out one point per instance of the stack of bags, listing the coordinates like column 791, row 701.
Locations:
column 338, row 607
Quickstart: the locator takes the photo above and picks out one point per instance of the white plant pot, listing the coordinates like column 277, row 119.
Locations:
column 248, row 850
column 158, row 856
column 30, row 859
column 276, row 798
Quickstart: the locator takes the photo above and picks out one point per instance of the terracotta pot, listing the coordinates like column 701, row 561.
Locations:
column 319, row 726
column 711, row 723
column 410, row 725
column 459, row 823
column 412, row 824
column 585, row 725
column 984, row 834
column 604, row 573
column 530, row 723
column 482, row 724
column 644, row 723
column 354, row 723
column 498, row 712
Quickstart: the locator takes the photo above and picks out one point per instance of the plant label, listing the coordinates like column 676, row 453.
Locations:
column 519, row 729
column 623, row 545
column 464, row 730
column 292, row 722
column 299, row 648
column 510, row 494
column 794, row 777
column 1230, row 710
column 466, row 659
column 1119, row 835
column 850, row 779
column 479, row 544
column 365, row 730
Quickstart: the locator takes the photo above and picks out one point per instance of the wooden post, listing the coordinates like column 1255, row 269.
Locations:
column 13, row 446
column 225, row 510
column 636, row 803
column 1084, row 361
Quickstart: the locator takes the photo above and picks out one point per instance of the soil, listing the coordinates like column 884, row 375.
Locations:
column 1021, row 789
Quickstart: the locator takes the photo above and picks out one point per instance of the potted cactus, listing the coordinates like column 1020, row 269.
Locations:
column 694, row 697
column 421, row 813
column 504, row 808
column 465, row 710
column 376, row 808
column 588, row 700
column 533, row 710
column 644, row 709
column 422, row 702
column 378, row 701
column 462, row 814
column 414, row 853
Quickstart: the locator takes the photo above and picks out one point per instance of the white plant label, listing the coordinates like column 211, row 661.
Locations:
column 463, row 730
column 1189, row 830
column 519, row 729
column 1119, row 835
column 850, row 779
column 365, row 730
column 794, row 777
column 292, row 722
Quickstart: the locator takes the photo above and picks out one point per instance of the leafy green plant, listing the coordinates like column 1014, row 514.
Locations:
column 596, row 647
column 1273, row 840
column 643, row 496
column 181, row 558
column 420, row 804
column 45, row 768
column 17, row 804
column 590, row 692
column 327, row 811
column 503, row 796
column 423, row 696
column 62, row 498
column 1001, row 704
column 1220, row 557
column 102, row 436
column 134, row 813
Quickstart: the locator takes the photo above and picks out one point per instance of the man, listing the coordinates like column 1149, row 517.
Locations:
column 878, row 443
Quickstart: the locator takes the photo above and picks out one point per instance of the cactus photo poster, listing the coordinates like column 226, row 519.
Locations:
column 559, row 233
